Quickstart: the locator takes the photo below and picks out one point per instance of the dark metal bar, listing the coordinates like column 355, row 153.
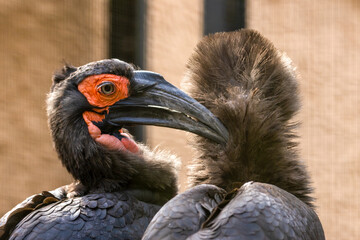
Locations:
column 223, row 15
column 127, row 40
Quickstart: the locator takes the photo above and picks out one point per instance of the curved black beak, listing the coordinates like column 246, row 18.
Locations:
column 154, row 101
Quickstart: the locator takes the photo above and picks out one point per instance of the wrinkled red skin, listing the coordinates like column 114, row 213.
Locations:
column 89, row 88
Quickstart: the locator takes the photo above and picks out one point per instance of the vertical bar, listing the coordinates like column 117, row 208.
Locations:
column 126, row 40
column 223, row 15
column 140, row 49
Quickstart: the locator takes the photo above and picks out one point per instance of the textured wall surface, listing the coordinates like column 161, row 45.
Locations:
column 174, row 28
column 323, row 39
column 34, row 42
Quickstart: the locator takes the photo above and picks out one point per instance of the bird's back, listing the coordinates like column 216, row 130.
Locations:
column 261, row 211
column 115, row 215
column 254, row 211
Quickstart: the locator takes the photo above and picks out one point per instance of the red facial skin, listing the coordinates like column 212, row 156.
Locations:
column 91, row 88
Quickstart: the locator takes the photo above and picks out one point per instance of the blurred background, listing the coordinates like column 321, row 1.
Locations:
column 321, row 37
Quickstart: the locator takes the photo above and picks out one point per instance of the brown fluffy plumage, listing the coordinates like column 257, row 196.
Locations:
column 252, row 88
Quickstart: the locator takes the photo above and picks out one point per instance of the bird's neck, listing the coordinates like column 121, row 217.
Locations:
column 99, row 169
column 261, row 148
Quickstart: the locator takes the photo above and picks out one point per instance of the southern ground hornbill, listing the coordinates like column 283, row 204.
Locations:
column 253, row 187
column 120, row 184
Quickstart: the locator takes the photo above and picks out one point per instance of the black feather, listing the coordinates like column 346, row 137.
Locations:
column 63, row 73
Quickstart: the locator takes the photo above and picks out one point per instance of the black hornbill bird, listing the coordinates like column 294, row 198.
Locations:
column 120, row 184
column 254, row 186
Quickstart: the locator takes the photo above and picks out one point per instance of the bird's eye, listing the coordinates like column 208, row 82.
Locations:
column 106, row 88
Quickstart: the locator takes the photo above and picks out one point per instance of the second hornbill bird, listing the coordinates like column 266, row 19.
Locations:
column 254, row 186
column 120, row 184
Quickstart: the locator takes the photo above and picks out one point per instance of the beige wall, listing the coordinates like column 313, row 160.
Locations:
column 37, row 36
column 323, row 39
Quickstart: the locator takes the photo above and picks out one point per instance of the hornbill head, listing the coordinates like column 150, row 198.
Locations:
column 88, row 106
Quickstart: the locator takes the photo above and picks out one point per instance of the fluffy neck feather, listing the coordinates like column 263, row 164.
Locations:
column 252, row 88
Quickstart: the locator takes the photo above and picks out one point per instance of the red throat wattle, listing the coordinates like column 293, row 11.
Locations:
column 102, row 91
